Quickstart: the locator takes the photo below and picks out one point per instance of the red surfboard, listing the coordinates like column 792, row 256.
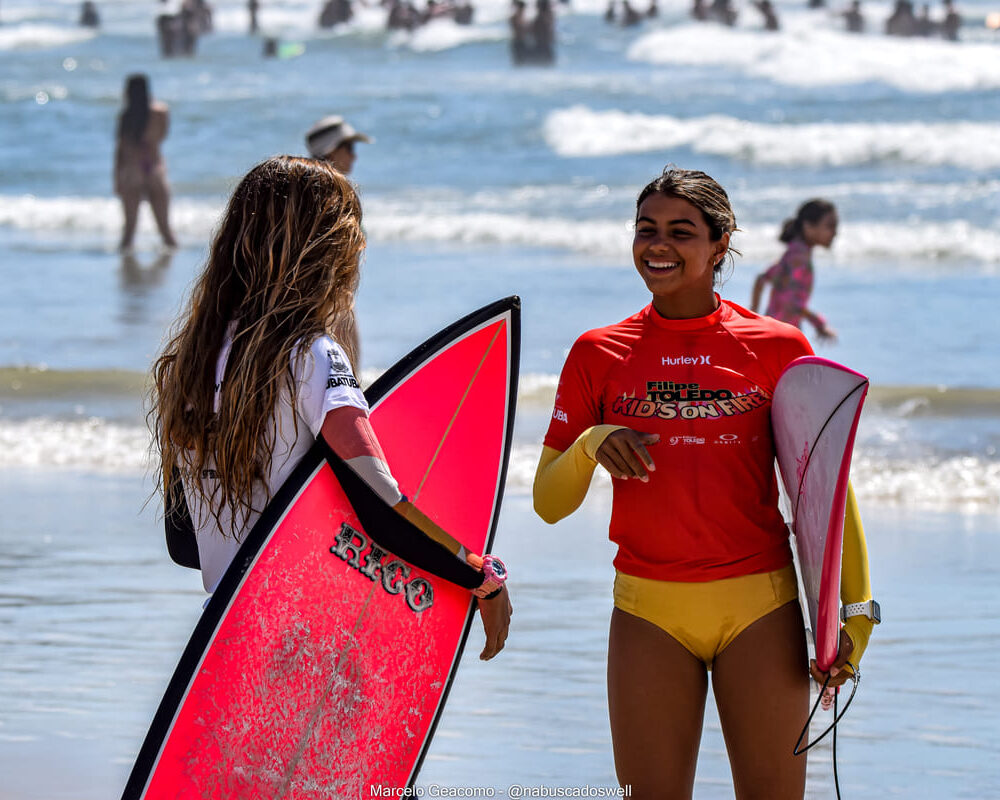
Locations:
column 814, row 413
column 322, row 663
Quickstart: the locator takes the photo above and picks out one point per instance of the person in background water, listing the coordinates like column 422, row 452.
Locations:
column 854, row 20
column 925, row 25
column 532, row 42
column 901, row 22
column 253, row 374
column 791, row 278
column 253, row 7
column 724, row 11
column 89, row 18
column 704, row 580
column 766, row 8
column 335, row 12
column 630, row 17
column 543, row 31
column 332, row 139
column 952, row 22
column 139, row 169
column 518, row 22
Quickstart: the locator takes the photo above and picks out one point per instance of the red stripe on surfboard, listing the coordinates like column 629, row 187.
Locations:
column 470, row 464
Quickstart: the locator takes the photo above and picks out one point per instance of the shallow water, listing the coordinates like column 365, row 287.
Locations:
column 87, row 658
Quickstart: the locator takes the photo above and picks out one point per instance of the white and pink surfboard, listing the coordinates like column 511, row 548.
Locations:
column 814, row 414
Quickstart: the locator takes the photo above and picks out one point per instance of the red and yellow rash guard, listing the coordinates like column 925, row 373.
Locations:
column 704, row 385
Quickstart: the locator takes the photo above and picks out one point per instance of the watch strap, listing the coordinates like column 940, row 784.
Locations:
column 869, row 608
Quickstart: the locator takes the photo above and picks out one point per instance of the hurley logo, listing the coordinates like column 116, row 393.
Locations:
column 684, row 361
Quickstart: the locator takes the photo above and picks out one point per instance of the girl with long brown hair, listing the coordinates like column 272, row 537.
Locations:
column 254, row 372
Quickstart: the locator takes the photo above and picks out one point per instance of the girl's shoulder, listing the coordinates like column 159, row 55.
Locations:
column 797, row 249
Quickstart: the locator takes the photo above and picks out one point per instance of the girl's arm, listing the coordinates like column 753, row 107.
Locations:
column 855, row 581
column 818, row 321
column 855, row 587
column 758, row 290
column 562, row 478
column 349, row 434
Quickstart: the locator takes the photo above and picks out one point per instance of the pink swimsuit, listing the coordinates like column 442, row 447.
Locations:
column 791, row 284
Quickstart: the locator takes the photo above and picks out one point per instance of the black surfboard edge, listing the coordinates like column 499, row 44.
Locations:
column 261, row 532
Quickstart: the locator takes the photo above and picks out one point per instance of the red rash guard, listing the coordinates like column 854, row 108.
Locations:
column 709, row 510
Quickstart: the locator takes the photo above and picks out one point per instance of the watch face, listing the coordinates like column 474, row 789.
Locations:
column 876, row 612
column 499, row 570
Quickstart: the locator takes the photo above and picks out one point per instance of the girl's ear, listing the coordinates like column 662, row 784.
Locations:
column 722, row 248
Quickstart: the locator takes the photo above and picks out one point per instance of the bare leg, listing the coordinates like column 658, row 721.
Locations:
column 159, row 199
column 131, row 198
column 656, row 699
column 761, row 684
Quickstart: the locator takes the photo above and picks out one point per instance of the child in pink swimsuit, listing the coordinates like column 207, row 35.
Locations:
column 791, row 278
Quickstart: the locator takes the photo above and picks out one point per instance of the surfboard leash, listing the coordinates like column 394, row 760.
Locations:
column 837, row 716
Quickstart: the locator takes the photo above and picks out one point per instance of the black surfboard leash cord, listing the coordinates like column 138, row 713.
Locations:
column 837, row 716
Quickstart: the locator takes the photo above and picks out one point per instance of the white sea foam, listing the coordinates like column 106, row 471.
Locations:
column 98, row 219
column 580, row 131
column 92, row 444
column 95, row 445
column 445, row 35
column 805, row 54
column 35, row 36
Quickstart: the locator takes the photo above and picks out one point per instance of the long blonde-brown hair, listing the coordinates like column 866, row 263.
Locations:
column 283, row 268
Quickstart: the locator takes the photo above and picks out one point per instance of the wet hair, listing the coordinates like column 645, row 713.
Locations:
column 811, row 211
column 704, row 193
column 283, row 268
column 135, row 116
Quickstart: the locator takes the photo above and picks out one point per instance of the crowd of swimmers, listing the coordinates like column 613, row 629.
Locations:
column 629, row 15
column 532, row 37
column 902, row 22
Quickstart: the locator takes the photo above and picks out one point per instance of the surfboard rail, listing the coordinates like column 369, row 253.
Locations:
column 815, row 413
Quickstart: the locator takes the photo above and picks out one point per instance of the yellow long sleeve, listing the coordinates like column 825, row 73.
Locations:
column 855, row 581
column 563, row 478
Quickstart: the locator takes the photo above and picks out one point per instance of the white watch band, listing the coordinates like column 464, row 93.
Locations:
column 868, row 609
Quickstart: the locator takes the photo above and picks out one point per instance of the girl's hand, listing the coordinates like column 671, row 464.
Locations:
column 623, row 453
column 495, row 614
column 826, row 333
column 839, row 675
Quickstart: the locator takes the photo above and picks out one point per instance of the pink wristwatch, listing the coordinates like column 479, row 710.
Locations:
column 495, row 574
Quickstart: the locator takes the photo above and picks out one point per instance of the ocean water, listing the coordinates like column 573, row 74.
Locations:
column 484, row 181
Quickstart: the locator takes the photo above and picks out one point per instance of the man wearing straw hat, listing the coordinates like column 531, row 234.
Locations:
column 332, row 139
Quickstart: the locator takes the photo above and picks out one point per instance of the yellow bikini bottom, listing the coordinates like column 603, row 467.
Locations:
column 705, row 617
